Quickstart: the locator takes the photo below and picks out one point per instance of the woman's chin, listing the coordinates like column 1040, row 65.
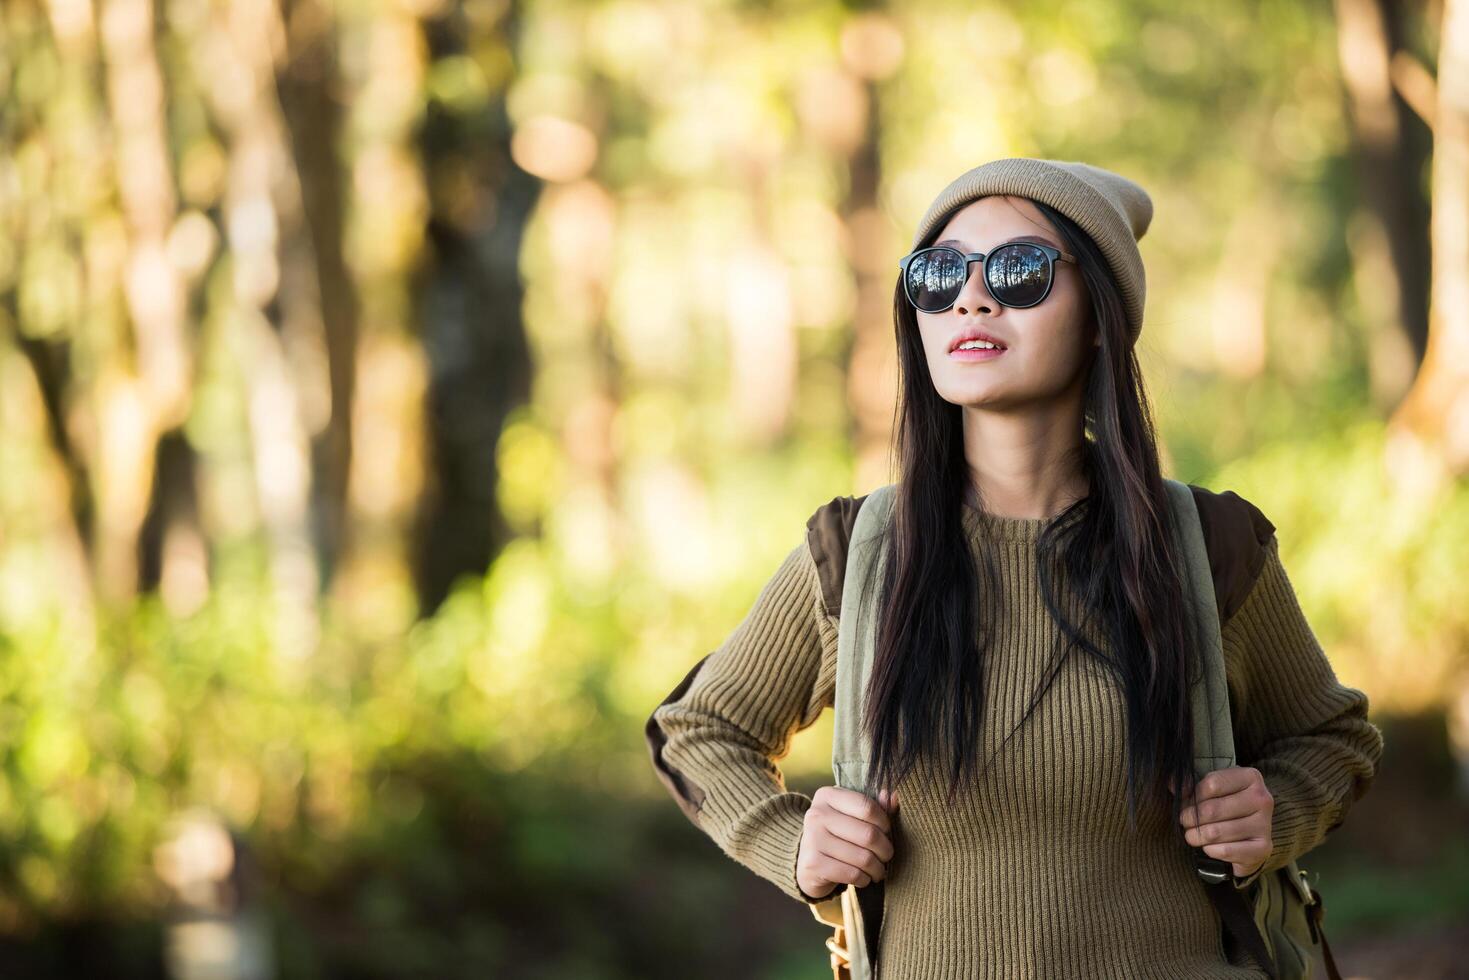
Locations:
column 971, row 395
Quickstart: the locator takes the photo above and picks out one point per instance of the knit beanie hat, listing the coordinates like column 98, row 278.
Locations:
column 1113, row 210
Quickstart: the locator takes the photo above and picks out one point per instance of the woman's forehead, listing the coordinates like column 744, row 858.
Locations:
column 996, row 218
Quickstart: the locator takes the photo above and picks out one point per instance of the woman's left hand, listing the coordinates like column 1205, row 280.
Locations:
column 1232, row 819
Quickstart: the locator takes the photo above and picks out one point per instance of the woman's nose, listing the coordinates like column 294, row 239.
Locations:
column 975, row 295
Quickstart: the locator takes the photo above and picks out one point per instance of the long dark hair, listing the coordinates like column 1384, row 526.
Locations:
column 1114, row 547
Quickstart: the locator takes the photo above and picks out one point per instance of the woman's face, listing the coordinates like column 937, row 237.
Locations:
column 1046, row 346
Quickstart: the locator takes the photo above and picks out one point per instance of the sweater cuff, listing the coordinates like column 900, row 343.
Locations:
column 1294, row 821
column 776, row 860
column 786, row 837
column 1291, row 822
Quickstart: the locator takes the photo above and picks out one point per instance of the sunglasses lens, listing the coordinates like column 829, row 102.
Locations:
column 934, row 278
column 1019, row 274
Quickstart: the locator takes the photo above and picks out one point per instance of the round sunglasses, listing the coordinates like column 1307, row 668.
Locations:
column 1018, row 274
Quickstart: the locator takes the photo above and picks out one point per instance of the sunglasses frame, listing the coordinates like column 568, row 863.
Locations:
column 1053, row 255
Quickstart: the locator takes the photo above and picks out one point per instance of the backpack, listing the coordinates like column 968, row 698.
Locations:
column 1278, row 917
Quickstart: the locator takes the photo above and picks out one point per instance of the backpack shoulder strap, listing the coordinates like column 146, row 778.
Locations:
column 857, row 635
column 853, row 538
column 1213, row 727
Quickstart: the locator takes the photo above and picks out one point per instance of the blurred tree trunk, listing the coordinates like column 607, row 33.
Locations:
column 172, row 555
column 872, row 367
column 871, row 50
column 1435, row 414
column 1389, row 240
column 273, row 306
column 136, row 402
column 309, row 84
column 471, row 326
column 50, row 361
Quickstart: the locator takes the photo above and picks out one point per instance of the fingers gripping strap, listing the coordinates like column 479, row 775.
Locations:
column 1213, row 731
column 857, row 637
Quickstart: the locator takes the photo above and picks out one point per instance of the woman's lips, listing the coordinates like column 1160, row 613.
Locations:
column 976, row 354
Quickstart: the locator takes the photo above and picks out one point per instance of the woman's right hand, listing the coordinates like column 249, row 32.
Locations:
column 847, row 839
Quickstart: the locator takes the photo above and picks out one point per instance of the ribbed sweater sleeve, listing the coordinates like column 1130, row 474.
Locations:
column 768, row 680
column 1307, row 733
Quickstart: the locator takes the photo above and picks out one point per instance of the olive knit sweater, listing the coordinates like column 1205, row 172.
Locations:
column 1034, row 873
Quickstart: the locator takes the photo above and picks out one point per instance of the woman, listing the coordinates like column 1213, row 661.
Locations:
column 1028, row 707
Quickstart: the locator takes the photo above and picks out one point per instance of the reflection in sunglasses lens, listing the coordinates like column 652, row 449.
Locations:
column 935, row 278
column 1018, row 274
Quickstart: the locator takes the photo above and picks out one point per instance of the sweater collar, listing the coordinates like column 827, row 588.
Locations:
column 997, row 527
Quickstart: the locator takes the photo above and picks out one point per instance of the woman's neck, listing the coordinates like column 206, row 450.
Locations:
column 1039, row 505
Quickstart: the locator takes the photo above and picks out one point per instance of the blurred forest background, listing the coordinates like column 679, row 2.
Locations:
column 398, row 396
